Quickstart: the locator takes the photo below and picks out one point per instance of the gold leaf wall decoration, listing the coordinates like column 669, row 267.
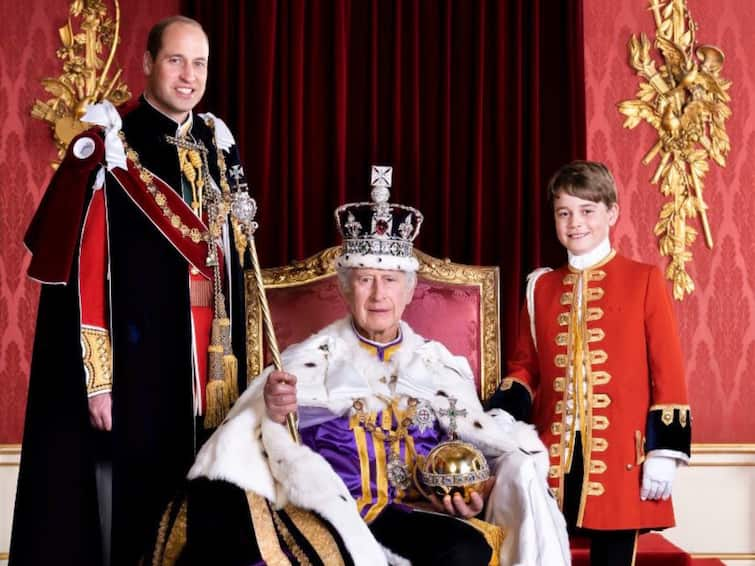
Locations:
column 685, row 99
column 85, row 77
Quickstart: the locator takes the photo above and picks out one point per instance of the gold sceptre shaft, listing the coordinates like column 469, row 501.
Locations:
column 272, row 342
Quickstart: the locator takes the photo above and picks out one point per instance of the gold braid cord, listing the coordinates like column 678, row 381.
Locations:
column 87, row 57
column 684, row 99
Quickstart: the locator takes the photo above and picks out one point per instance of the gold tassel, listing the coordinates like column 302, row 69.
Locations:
column 223, row 371
column 218, row 404
column 231, row 375
column 221, row 335
column 218, row 393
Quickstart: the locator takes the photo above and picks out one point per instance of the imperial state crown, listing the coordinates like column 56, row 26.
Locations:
column 378, row 234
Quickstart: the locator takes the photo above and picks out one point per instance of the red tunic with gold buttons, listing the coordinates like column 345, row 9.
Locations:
column 633, row 399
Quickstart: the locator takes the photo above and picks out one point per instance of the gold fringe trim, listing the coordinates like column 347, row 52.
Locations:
column 494, row 536
column 231, row 375
column 218, row 403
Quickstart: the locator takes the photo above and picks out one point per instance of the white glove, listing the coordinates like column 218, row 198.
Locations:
column 657, row 477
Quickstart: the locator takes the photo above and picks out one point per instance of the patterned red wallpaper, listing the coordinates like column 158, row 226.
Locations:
column 27, row 54
column 717, row 323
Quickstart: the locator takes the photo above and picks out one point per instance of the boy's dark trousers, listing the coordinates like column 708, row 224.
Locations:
column 607, row 548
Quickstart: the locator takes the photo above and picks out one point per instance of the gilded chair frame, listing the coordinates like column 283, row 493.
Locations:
column 432, row 269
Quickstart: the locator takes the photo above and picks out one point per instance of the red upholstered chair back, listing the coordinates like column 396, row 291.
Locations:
column 453, row 303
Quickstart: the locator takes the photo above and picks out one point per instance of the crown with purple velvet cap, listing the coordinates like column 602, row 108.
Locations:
column 378, row 234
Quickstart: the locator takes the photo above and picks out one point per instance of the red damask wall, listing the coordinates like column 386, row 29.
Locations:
column 27, row 54
column 717, row 323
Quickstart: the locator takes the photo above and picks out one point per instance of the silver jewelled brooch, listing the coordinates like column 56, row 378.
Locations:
column 398, row 472
column 424, row 416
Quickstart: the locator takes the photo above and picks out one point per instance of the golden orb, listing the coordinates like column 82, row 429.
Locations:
column 455, row 466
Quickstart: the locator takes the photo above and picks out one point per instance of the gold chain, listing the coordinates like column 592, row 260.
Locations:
column 194, row 234
column 162, row 201
column 368, row 420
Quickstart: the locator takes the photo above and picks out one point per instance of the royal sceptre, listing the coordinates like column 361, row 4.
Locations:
column 243, row 211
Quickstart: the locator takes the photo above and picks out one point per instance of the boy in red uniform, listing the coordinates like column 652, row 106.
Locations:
column 598, row 351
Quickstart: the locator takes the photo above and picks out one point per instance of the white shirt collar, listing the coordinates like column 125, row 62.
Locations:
column 597, row 254
column 185, row 127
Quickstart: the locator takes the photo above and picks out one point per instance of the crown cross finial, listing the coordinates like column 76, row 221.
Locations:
column 378, row 234
column 381, row 176
column 381, row 182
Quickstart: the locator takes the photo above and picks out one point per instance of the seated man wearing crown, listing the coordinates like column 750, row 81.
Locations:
column 373, row 398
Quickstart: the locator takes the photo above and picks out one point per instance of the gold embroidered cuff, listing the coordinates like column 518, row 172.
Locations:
column 95, row 346
column 668, row 428
column 671, row 413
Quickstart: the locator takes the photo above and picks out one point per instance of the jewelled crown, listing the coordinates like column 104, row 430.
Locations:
column 378, row 234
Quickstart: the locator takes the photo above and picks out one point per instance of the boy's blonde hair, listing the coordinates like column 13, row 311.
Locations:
column 588, row 180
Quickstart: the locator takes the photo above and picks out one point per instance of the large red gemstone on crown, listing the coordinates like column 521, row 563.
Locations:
column 381, row 227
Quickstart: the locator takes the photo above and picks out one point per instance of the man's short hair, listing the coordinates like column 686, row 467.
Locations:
column 155, row 37
column 588, row 180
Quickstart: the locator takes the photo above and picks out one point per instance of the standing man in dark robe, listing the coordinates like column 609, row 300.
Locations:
column 139, row 250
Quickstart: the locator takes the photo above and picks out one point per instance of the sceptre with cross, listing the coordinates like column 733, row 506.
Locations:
column 243, row 211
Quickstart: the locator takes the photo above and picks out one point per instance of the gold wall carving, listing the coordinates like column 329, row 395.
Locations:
column 684, row 99
column 86, row 78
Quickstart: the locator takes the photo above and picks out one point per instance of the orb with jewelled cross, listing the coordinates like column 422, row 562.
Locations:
column 454, row 466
